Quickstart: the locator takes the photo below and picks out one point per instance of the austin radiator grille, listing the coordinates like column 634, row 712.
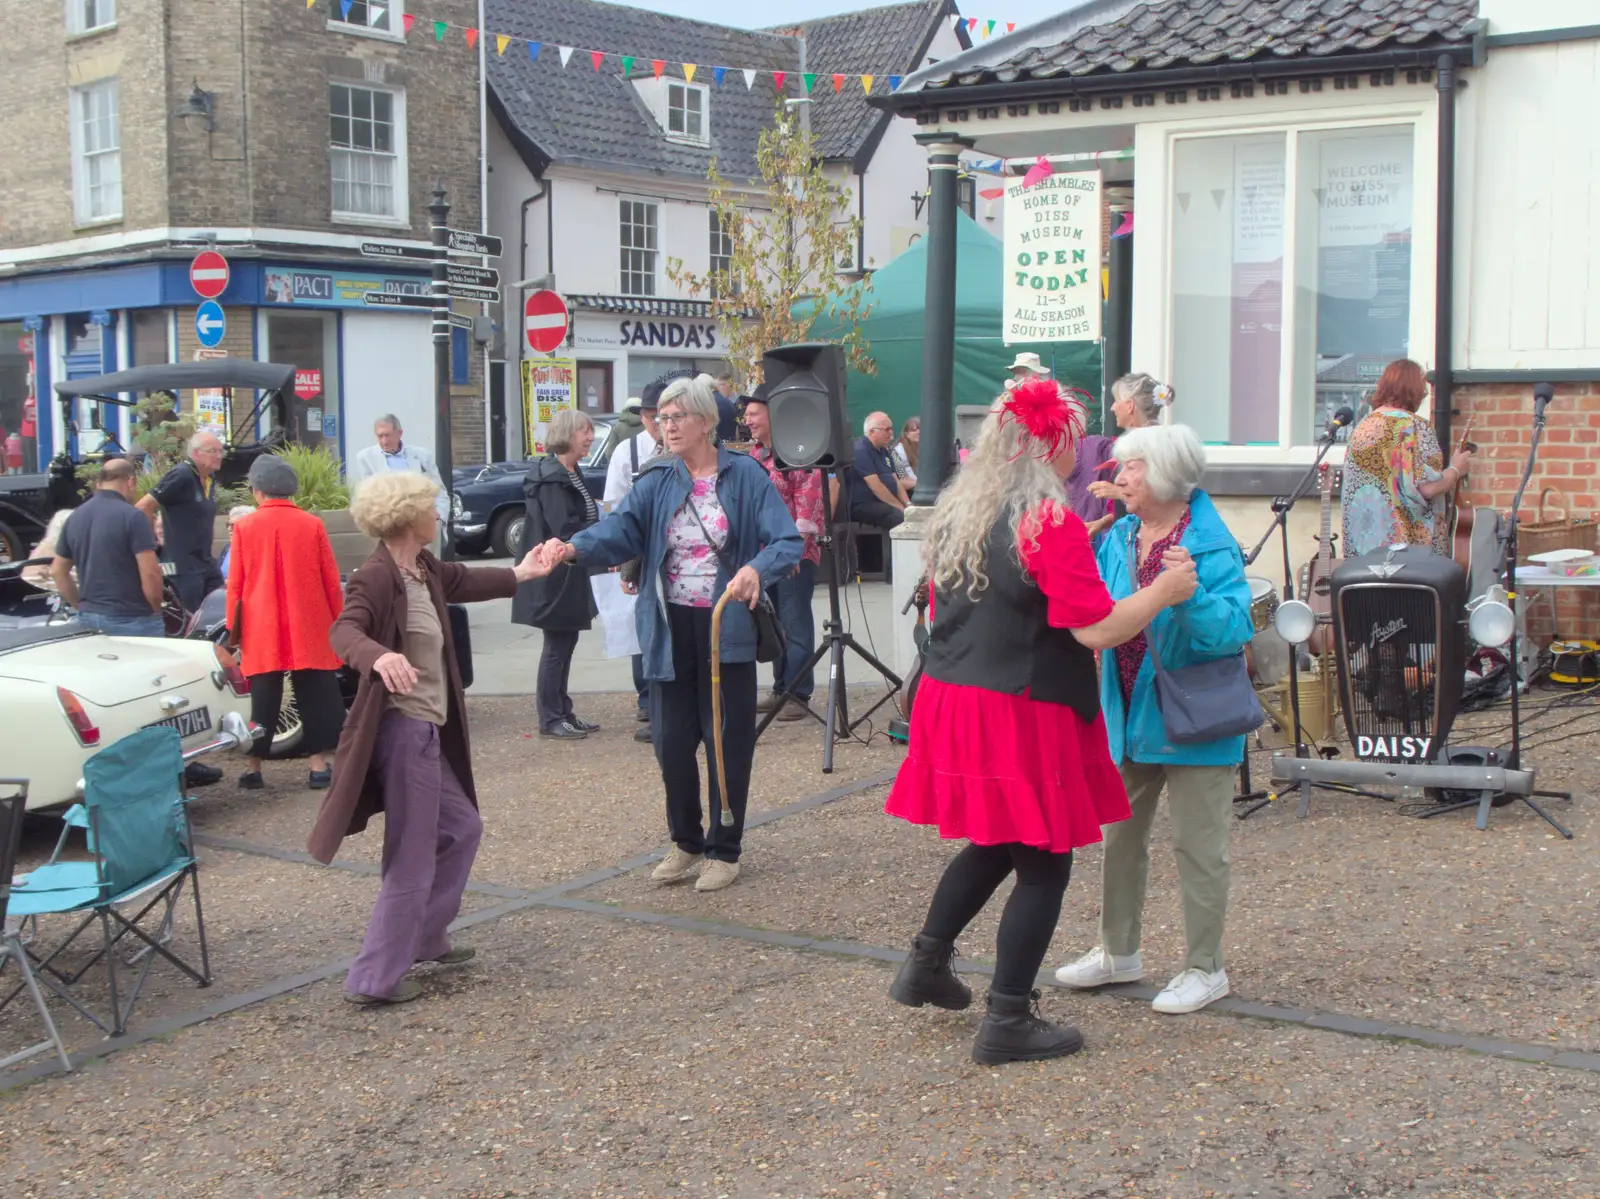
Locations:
column 1389, row 667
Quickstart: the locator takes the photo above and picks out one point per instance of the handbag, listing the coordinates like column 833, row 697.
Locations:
column 1208, row 701
column 771, row 641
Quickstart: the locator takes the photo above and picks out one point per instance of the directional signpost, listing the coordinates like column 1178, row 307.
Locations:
column 395, row 299
column 459, row 241
column 210, row 323
column 481, row 295
column 472, row 276
column 378, row 249
column 208, row 274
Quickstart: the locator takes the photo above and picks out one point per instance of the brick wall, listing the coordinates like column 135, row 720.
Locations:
column 1569, row 460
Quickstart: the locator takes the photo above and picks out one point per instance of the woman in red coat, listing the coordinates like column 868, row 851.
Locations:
column 283, row 597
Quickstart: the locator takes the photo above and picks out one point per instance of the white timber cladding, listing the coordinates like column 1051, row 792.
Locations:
column 1528, row 213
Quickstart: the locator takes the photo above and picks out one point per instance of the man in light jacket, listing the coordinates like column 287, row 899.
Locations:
column 391, row 453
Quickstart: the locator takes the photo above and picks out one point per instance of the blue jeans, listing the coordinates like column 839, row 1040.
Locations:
column 124, row 626
column 792, row 598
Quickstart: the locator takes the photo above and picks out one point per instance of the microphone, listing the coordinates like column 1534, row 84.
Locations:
column 1339, row 420
column 1543, row 393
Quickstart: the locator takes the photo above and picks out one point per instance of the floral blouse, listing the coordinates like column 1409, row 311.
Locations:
column 1392, row 451
column 801, row 493
column 1130, row 654
column 691, row 564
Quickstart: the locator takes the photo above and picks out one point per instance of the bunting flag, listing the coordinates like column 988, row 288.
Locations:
column 344, row 9
column 439, row 30
column 777, row 79
column 838, row 84
column 627, row 66
column 597, row 57
column 533, row 51
column 1039, row 171
column 750, row 79
column 717, row 74
column 375, row 14
column 972, row 24
column 566, row 54
column 894, row 82
column 810, row 80
column 992, row 193
column 472, row 39
column 1011, row 26
column 866, row 83
column 688, row 71
column 658, row 65
column 408, row 21
column 989, row 29
column 311, row 3
column 501, row 41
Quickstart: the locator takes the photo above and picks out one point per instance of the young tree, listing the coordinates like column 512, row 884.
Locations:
column 783, row 261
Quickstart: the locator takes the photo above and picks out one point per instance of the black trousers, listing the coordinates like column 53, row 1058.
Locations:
column 681, row 724
column 555, row 669
column 641, row 687
column 1029, row 920
column 876, row 512
column 316, row 698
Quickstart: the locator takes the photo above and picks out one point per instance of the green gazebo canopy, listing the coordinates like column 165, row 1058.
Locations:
column 982, row 359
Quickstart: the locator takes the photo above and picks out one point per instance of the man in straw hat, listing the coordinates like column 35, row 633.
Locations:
column 1024, row 367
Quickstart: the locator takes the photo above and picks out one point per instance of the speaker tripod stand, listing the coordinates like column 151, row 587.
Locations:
column 837, row 725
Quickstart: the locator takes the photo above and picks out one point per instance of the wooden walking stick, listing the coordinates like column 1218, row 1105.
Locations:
column 716, row 710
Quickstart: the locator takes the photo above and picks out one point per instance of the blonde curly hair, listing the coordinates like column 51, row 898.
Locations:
column 388, row 505
column 1006, row 474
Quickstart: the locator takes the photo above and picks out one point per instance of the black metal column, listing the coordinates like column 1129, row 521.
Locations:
column 1117, row 348
column 439, row 218
column 939, row 317
column 1445, row 252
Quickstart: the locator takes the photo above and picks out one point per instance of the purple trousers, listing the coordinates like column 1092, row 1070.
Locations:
column 430, row 837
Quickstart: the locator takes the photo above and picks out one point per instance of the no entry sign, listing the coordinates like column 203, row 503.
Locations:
column 545, row 320
column 209, row 274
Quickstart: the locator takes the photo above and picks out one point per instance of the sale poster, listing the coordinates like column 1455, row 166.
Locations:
column 1052, row 259
column 548, row 385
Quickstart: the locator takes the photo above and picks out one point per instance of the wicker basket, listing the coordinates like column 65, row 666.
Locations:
column 1561, row 533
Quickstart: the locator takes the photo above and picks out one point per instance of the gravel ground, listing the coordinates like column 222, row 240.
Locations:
column 588, row 1057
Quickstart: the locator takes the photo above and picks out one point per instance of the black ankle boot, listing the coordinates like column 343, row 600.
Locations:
column 1013, row 1031
column 928, row 977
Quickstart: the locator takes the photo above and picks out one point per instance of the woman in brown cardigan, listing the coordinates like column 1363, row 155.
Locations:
column 404, row 749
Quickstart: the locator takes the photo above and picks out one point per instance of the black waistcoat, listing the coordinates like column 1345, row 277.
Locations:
column 1000, row 641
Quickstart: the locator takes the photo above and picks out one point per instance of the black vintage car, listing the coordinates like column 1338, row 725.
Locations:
column 487, row 501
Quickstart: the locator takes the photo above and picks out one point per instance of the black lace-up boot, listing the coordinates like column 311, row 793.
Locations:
column 928, row 977
column 1014, row 1031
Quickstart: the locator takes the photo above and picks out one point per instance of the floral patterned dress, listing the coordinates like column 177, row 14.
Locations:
column 1391, row 452
column 691, row 564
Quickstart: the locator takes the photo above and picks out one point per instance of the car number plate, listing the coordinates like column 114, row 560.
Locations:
column 197, row 720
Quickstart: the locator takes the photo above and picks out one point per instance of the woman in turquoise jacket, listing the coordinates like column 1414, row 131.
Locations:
column 1162, row 467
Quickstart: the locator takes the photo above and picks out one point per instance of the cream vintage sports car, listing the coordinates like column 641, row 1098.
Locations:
column 67, row 692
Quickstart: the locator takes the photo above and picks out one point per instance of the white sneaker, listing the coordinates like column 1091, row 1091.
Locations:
column 675, row 866
column 1191, row 991
column 1097, row 968
column 716, row 874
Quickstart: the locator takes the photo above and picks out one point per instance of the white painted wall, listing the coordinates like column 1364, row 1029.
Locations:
column 388, row 367
column 1528, row 219
column 1520, row 16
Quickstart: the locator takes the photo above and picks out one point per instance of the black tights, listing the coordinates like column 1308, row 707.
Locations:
column 1029, row 920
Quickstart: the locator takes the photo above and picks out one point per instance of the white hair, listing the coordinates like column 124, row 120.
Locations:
column 239, row 512
column 390, row 419
column 1006, row 476
column 695, row 397
column 866, row 425
column 1150, row 396
column 1173, row 456
column 196, row 440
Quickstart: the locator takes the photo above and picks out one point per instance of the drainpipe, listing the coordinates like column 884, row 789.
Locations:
column 522, row 228
column 1444, row 266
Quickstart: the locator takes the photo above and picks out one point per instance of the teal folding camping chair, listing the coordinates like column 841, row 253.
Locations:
column 12, row 809
column 136, row 820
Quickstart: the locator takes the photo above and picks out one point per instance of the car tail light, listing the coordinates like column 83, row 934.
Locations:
column 229, row 674
column 86, row 731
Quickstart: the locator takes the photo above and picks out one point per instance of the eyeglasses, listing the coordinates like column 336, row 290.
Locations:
column 673, row 419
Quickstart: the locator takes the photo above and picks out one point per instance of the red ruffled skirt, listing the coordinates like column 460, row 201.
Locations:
column 999, row 769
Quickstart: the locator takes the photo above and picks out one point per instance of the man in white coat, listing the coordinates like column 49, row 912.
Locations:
column 627, row 459
column 391, row 453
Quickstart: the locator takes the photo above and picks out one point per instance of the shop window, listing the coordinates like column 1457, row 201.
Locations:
column 640, row 247
column 85, row 16
column 1291, row 277
column 96, row 153
column 310, row 413
column 383, row 16
column 460, row 357
column 367, row 153
column 16, row 391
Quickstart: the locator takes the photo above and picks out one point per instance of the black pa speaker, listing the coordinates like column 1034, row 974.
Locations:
column 804, row 386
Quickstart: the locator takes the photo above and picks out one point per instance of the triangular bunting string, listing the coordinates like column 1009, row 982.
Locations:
column 472, row 39
column 838, row 84
column 408, row 20
column 777, row 79
column 440, row 28
column 688, row 71
column 749, row 78
column 718, row 73
column 501, row 41
column 810, row 80
column 972, row 24
column 566, row 54
column 1011, row 26
column 866, row 83
column 533, row 51
column 658, row 65
column 597, row 57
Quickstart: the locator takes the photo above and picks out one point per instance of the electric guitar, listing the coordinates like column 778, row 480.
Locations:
column 1316, row 575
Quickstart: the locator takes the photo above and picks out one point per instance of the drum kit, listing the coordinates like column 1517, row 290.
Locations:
column 1267, row 656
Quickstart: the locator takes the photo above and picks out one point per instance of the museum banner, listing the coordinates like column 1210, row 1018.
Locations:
column 1052, row 258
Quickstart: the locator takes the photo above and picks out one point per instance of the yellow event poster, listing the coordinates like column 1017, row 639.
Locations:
column 548, row 385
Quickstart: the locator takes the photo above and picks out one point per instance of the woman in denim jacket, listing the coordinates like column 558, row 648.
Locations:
column 1162, row 467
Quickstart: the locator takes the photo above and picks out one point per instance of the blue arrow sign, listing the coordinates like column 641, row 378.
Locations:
column 210, row 323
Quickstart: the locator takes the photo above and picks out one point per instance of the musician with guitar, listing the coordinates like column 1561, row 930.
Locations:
column 1396, row 486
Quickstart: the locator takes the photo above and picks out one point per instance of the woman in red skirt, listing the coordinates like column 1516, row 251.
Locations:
column 1008, row 748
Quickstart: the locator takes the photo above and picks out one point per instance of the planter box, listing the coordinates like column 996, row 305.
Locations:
column 351, row 546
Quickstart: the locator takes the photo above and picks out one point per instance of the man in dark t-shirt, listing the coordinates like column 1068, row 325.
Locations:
column 117, row 589
column 188, row 517
column 877, row 496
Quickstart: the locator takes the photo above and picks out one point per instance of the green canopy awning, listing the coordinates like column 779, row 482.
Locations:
column 982, row 359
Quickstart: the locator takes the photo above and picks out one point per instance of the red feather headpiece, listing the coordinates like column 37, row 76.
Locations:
column 1042, row 408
